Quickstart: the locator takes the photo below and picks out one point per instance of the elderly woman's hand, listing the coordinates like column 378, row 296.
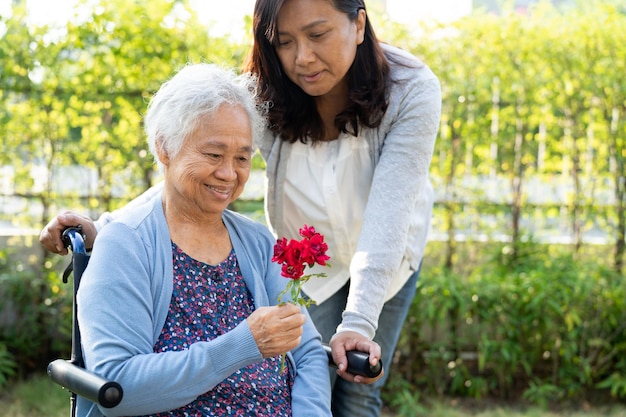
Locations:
column 276, row 329
column 50, row 236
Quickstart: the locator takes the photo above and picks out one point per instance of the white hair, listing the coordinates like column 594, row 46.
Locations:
column 196, row 91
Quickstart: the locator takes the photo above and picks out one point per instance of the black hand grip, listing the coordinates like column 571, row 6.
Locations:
column 81, row 382
column 73, row 238
column 358, row 363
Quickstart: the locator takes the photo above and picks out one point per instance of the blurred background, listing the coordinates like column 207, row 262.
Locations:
column 522, row 296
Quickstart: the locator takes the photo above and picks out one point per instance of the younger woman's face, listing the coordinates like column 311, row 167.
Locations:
column 317, row 44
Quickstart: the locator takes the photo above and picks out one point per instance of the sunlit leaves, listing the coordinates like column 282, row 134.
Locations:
column 76, row 94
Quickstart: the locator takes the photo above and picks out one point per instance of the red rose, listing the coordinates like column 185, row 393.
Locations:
column 292, row 271
column 279, row 250
column 294, row 256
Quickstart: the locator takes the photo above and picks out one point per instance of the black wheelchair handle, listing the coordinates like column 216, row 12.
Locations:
column 73, row 238
column 81, row 382
column 358, row 363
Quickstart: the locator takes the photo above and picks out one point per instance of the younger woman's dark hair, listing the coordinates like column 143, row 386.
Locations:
column 292, row 112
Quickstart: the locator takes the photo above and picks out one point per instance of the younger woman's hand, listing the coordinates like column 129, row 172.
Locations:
column 346, row 341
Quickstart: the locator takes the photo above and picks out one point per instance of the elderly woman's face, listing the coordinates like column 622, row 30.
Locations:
column 213, row 165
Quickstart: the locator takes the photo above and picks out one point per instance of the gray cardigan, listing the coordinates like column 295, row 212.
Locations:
column 397, row 216
column 123, row 302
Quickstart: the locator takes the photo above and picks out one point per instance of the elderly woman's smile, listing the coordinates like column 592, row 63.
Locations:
column 213, row 166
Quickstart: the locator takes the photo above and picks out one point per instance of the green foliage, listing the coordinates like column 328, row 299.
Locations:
column 405, row 401
column 616, row 383
column 516, row 109
column 36, row 311
column 7, row 365
column 75, row 96
column 257, row 162
column 36, row 396
column 541, row 393
column 545, row 327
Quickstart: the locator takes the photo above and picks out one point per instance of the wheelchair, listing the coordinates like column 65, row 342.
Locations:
column 71, row 374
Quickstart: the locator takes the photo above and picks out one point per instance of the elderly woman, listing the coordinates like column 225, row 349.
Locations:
column 178, row 302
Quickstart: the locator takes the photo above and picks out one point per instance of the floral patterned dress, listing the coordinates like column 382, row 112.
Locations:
column 208, row 301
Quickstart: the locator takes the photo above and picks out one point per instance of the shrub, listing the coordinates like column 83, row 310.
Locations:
column 7, row 365
column 546, row 327
column 35, row 312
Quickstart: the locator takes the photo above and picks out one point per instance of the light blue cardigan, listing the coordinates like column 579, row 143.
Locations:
column 123, row 302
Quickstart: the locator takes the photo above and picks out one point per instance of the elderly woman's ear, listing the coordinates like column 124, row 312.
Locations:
column 161, row 152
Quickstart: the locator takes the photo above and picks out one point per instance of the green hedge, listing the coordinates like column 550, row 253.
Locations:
column 35, row 314
column 545, row 327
